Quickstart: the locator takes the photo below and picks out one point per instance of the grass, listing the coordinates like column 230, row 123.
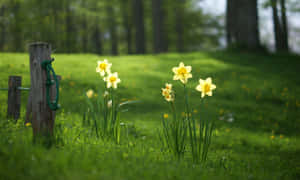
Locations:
column 260, row 92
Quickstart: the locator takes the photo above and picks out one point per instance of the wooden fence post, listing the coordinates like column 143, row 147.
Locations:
column 28, row 117
column 14, row 97
column 42, row 116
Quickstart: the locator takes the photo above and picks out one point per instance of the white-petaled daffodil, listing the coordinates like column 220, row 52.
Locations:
column 206, row 87
column 90, row 93
column 182, row 73
column 112, row 80
column 103, row 67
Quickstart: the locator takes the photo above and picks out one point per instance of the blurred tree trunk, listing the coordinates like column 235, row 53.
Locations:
column 179, row 20
column 242, row 24
column 84, row 36
column 97, row 40
column 276, row 26
column 159, row 35
column 69, row 29
column 284, row 26
column 112, row 29
column 280, row 26
column 127, row 24
column 140, row 41
column 2, row 27
column 84, row 26
column 230, row 11
column 17, row 27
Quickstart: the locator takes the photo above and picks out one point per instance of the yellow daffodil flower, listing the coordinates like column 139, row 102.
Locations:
column 164, row 92
column 169, row 87
column 205, row 87
column 90, row 93
column 28, row 124
column 182, row 73
column 112, row 80
column 167, row 92
column 169, row 97
column 103, row 67
column 166, row 116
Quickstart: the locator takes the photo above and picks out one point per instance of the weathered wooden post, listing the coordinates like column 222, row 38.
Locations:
column 14, row 97
column 28, row 117
column 42, row 115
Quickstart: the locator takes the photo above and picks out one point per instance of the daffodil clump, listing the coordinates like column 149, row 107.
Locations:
column 104, row 114
column 180, row 131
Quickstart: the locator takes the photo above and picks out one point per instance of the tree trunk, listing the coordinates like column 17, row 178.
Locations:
column 97, row 40
column 127, row 25
column 70, row 30
column 285, row 37
column 230, row 11
column 159, row 36
column 17, row 27
column 242, row 24
column 84, row 32
column 179, row 20
column 139, row 26
column 112, row 30
column 2, row 27
column 276, row 25
column 280, row 26
column 84, row 35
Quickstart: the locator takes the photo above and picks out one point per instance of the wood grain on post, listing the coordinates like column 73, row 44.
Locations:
column 28, row 117
column 42, row 116
column 14, row 97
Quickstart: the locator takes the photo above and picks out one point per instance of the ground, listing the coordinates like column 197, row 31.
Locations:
column 255, row 107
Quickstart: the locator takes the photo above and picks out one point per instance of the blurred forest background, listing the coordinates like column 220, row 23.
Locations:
column 146, row 26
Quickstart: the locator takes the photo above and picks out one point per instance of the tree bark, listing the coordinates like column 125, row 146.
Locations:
column 159, row 35
column 179, row 25
column 280, row 26
column 2, row 27
column 97, row 40
column 17, row 28
column 285, row 38
column 84, row 32
column 242, row 24
column 127, row 25
column 140, row 41
column 84, row 35
column 112, row 30
column 276, row 25
column 70, row 30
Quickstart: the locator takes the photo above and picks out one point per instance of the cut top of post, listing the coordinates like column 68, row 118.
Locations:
column 39, row 44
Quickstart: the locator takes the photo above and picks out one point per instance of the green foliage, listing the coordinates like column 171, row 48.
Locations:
column 174, row 133
column 72, row 25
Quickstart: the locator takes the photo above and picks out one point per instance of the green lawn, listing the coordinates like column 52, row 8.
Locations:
column 260, row 92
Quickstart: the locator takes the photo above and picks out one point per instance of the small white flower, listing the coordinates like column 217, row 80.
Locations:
column 105, row 94
column 109, row 103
